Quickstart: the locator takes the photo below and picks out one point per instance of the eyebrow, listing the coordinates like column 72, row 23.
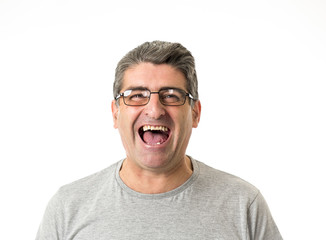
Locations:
column 136, row 88
column 145, row 88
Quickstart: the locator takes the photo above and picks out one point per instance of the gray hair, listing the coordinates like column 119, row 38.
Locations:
column 159, row 52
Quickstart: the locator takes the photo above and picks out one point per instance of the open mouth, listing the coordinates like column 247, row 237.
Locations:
column 154, row 135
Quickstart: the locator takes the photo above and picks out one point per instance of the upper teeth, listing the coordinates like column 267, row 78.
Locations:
column 157, row 128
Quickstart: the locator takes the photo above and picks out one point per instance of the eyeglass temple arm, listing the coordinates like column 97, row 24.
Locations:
column 118, row 96
column 191, row 97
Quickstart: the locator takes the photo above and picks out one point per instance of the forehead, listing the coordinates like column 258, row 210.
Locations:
column 153, row 77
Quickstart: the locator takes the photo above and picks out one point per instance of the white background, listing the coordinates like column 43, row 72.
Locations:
column 261, row 67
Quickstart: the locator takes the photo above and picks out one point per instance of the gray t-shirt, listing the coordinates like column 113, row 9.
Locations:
column 210, row 205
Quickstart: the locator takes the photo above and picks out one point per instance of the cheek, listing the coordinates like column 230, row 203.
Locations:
column 126, row 133
column 126, row 121
column 185, row 123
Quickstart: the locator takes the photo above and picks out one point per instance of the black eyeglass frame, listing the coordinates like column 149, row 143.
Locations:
column 186, row 94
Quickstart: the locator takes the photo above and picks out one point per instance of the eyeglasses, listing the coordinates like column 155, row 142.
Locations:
column 168, row 97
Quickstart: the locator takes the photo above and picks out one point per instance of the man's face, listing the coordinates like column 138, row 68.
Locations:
column 164, row 147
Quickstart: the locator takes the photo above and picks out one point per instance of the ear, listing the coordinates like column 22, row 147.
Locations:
column 196, row 111
column 115, row 113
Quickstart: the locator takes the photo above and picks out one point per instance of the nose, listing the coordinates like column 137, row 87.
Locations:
column 154, row 108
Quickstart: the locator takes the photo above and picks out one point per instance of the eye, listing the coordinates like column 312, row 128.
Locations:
column 137, row 95
column 171, row 96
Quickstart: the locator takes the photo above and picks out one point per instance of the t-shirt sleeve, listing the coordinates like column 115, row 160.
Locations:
column 51, row 227
column 260, row 222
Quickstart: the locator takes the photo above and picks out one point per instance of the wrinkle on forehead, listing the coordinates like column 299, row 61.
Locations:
column 142, row 72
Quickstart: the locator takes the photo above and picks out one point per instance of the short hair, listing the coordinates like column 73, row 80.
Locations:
column 159, row 52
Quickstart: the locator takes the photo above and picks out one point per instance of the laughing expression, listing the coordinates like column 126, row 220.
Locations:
column 155, row 136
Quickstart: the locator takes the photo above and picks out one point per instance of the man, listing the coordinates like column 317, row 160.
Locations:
column 157, row 191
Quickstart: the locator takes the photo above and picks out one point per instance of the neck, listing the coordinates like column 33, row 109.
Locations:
column 153, row 182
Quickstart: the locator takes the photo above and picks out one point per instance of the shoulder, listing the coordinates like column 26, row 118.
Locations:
column 225, row 184
column 86, row 187
column 239, row 199
column 72, row 201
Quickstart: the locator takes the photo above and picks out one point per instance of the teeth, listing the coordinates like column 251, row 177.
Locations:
column 156, row 128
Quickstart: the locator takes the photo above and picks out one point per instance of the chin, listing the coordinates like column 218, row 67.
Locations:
column 154, row 161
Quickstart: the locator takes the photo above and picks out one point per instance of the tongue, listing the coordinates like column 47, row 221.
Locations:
column 153, row 138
